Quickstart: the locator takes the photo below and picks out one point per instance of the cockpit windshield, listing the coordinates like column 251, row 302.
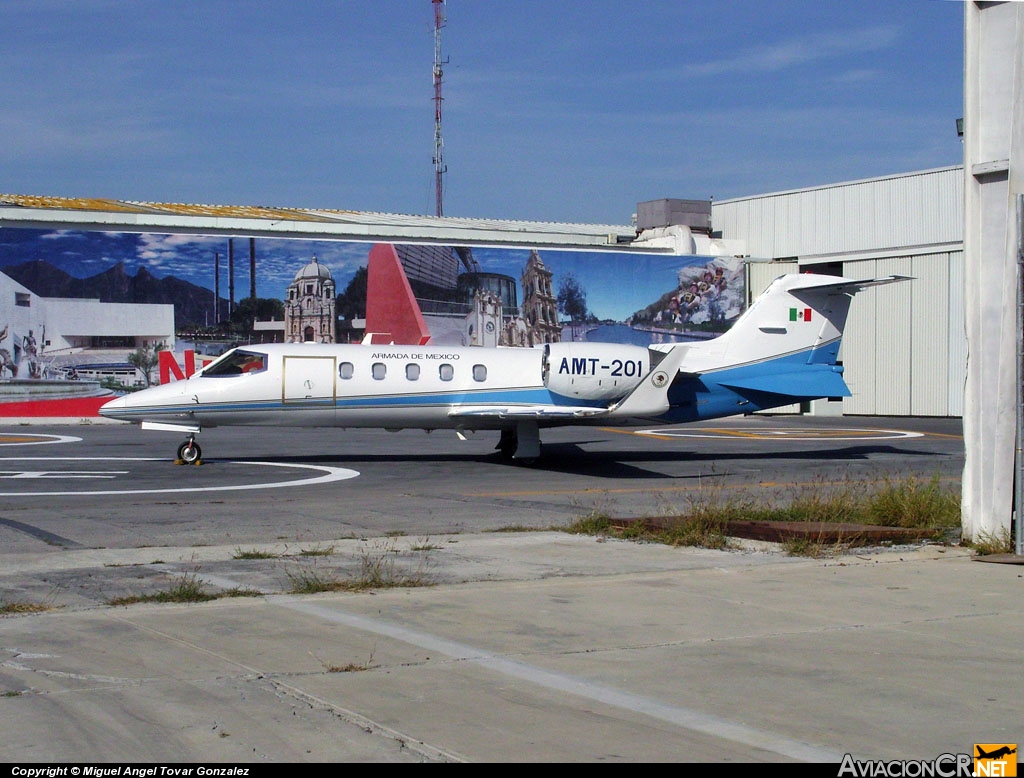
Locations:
column 237, row 362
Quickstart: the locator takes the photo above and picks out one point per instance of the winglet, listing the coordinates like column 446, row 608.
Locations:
column 650, row 396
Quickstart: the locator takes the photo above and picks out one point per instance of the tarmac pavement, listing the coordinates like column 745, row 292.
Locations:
column 479, row 645
column 510, row 647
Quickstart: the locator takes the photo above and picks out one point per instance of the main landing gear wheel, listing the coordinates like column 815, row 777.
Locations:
column 507, row 444
column 520, row 444
column 189, row 452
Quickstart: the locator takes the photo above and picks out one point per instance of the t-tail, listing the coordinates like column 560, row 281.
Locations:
column 784, row 349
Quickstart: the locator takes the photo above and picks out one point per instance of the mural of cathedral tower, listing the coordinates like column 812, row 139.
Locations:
column 310, row 306
column 540, row 308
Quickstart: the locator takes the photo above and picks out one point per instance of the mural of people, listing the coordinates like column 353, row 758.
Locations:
column 7, row 366
column 30, row 350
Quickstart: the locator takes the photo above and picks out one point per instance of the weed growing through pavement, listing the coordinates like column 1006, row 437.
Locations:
column 254, row 554
column 187, row 588
column 425, row 545
column 21, row 607
column 317, row 550
column 908, row 502
column 349, row 667
column 986, row 544
column 379, row 568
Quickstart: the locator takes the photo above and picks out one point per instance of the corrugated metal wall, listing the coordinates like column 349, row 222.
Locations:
column 904, row 349
column 912, row 209
column 760, row 274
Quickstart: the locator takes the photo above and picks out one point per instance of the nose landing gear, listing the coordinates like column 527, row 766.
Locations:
column 189, row 453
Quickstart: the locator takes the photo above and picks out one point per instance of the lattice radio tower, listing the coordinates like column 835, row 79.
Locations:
column 439, row 167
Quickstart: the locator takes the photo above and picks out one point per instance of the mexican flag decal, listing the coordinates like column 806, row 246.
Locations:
column 799, row 314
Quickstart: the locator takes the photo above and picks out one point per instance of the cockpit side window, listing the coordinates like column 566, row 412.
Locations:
column 237, row 362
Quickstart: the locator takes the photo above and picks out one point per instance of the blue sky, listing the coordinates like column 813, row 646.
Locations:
column 558, row 111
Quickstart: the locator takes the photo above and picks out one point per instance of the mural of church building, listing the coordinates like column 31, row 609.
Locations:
column 310, row 306
column 540, row 307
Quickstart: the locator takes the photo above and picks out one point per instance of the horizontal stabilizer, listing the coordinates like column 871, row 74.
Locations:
column 847, row 285
column 805, row 383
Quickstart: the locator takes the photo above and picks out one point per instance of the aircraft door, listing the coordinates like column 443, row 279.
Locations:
column 308, row 381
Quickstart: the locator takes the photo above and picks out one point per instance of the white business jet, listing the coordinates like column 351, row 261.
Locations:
column 783, row 349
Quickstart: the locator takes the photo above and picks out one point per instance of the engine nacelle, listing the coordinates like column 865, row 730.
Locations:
column 594, row 371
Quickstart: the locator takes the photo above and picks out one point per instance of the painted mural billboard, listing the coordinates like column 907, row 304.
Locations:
column 78, row 306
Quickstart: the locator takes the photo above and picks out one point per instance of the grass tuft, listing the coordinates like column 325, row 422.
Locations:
column 188, row 588
column 317, row 550
column 910, row 503
column 254, row 554
column 313, row 582
column 348, row 667
column 703, row 530
column 378, row 569
column 986, row 544
column 20, row 607
column 240, row 591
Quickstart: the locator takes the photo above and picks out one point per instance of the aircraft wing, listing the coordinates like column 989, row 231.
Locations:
column 528, row 411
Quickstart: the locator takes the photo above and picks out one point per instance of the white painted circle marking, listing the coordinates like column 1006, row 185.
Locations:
column 330, row 474
column 35, row 439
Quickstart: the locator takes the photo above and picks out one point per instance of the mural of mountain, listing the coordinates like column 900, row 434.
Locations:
column 193, row 305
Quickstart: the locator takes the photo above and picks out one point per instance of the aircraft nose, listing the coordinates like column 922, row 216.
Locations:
column 114, row 408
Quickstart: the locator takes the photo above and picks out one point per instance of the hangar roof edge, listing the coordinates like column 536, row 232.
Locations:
column 311, row 223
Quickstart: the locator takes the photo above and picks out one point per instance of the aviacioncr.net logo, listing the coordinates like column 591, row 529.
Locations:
column 995, row 759
column 943, row 766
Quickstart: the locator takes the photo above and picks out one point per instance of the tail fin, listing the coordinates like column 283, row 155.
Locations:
column 787, row 342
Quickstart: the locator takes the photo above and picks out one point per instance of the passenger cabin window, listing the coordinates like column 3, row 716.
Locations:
column 446, row 372
column 378, row 371
column 412, row 371
column 479, row 372
column 237, row 362
column 346, row 370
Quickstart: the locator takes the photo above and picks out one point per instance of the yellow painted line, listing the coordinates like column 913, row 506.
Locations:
column 654, row 435
column 738, row 433
column 693, row 433
column 18, row 438
column 809, row 434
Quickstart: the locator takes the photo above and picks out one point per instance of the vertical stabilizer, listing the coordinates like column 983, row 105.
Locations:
column 799, row 316
column 785, row 348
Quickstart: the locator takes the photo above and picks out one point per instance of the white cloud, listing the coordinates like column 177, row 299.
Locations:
column 794, row 52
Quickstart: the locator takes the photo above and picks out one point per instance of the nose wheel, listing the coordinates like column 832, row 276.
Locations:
column 189, row 452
